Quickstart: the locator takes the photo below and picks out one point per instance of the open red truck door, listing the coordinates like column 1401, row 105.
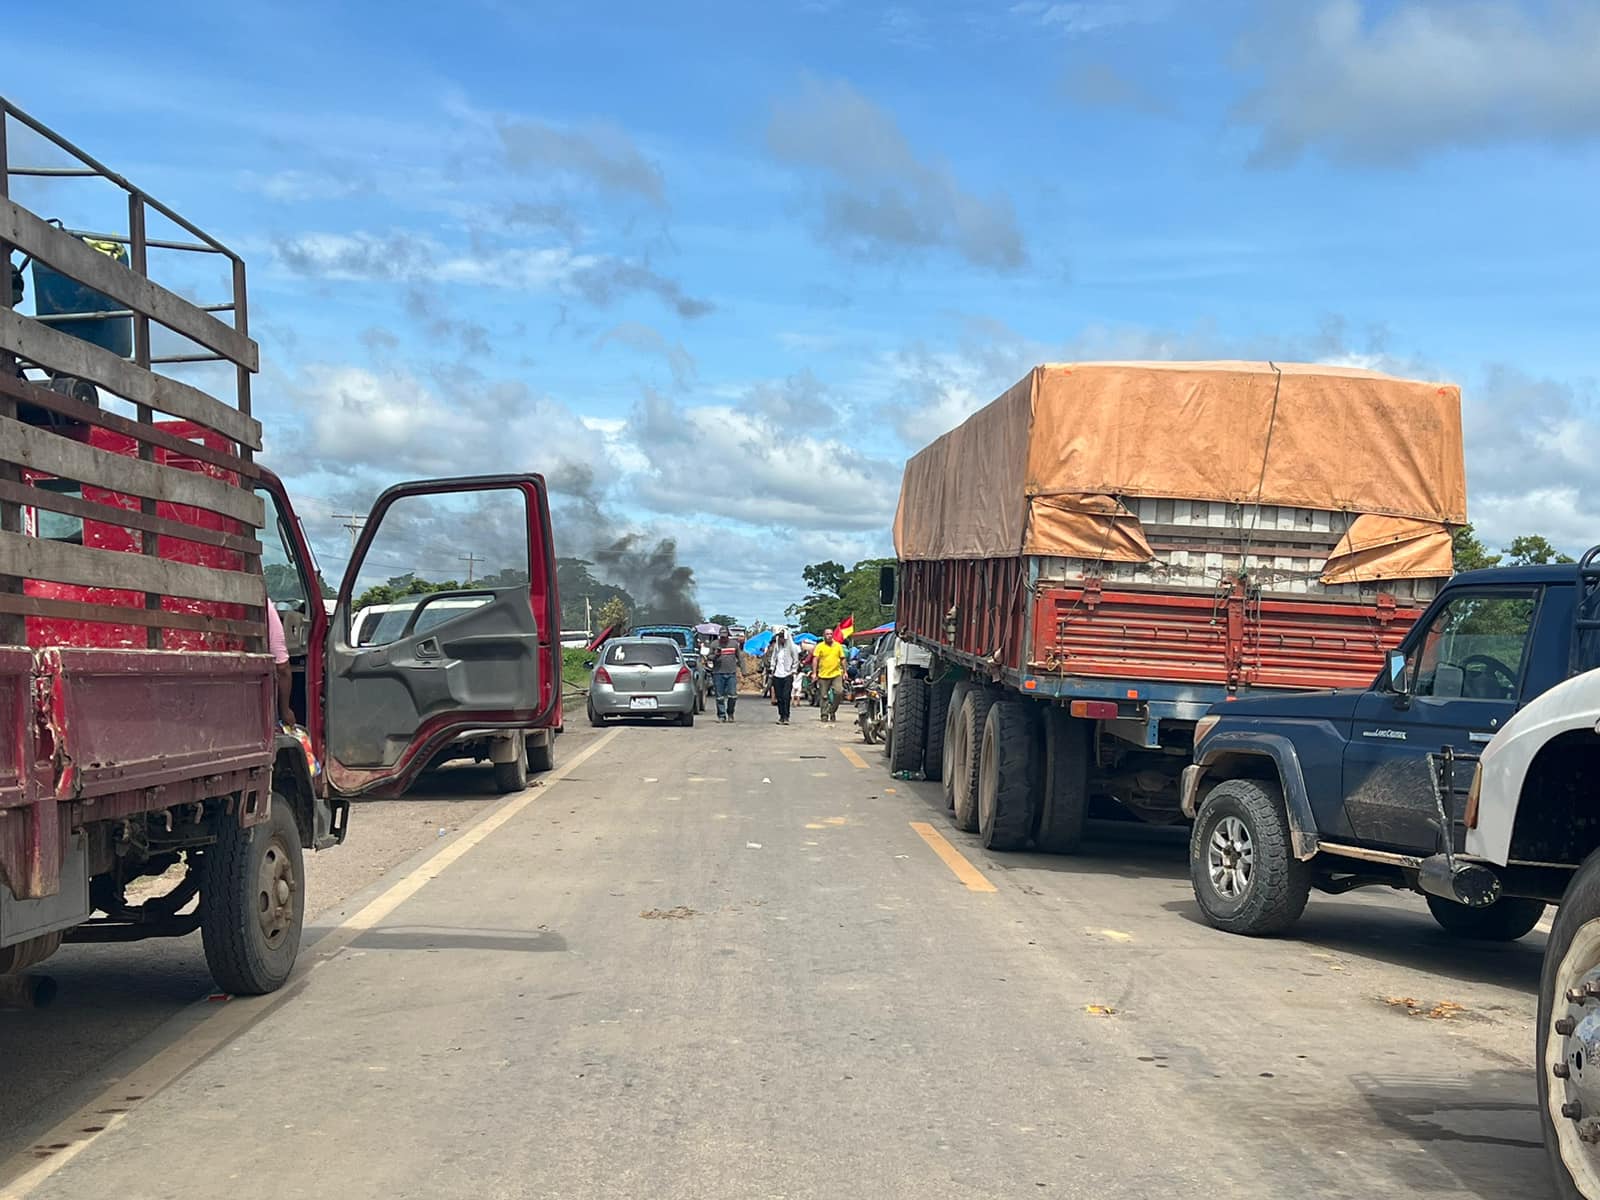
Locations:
column 467, row 657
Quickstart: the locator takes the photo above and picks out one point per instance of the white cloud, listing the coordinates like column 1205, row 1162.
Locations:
column 1388, row 85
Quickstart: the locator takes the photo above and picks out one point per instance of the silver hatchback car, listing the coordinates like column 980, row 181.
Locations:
column 641, row 677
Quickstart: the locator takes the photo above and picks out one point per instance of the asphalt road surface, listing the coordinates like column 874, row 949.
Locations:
column 742, row 961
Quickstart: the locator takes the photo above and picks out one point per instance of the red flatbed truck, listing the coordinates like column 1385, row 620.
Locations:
column 1107, row 550
column 138, row 728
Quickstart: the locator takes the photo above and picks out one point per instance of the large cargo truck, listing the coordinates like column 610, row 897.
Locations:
column 1108, row 549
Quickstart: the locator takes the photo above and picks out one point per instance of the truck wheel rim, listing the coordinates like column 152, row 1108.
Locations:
column 1572, row 1059
column 1230, row 858
column 275, row 891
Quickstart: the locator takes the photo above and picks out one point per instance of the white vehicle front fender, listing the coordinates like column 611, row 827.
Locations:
column 1573, row 705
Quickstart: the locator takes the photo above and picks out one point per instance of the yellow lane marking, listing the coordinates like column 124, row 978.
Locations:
column 1116, row 935
column 952, row 858
column 855, row 759
column 209, row 1033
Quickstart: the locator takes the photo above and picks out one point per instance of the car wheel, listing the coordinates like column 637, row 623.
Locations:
column 1245, row 876
column 595, row 718
column 1505, row 920
column 686, row 719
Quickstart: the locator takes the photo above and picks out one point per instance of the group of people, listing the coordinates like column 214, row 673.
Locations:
column 784, row 661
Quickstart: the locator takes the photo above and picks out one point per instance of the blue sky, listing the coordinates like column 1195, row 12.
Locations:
column 717, row 269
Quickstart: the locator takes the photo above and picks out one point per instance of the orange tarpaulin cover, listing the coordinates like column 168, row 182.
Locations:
column 1378, row 547
column 1332, row 438
column 1096, row 527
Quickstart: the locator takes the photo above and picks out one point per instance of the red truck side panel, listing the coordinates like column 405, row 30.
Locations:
column 1230, row 638
column 106, row 535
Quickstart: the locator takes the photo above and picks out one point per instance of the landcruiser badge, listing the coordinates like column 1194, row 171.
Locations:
column 1393, row 735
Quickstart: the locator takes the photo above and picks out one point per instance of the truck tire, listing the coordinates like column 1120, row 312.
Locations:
column 938, row 714
column 1505, row 920
column 908, row 734
column 1064, row 805
column 1008, row 776
column 947, row 750
column 1571, row 961
column 541, row 750
column 512, row 776
column 252, row 901
column 968, row 755
column 1245, row 876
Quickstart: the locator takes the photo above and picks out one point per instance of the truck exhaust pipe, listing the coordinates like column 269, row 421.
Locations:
column 26, row 991
column 1472, row 884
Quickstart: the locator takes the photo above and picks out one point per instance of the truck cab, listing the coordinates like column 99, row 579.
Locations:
column 1345, row 788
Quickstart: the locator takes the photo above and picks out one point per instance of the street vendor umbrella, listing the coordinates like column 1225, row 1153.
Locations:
column 757, row 643
column 806, row 639
column 708, row 627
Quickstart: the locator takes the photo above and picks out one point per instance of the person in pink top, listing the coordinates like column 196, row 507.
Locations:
column 278, row 647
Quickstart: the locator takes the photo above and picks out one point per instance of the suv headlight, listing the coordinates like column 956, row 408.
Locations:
column 1204, row 726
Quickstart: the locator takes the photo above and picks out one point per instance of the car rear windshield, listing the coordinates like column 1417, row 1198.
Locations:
column 641, row 654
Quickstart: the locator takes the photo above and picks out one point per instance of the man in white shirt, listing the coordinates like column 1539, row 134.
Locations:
column 785, row 662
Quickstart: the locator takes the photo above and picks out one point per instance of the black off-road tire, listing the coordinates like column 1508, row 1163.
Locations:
column 1278, row 885
column 1008, row 776
column 1507, row 919
column 909, row 733
column 1068, row 752
column 968, row 755
column 947, row 748
column 541, row 750
column 250, row 954
column 938, row 715
column 1580, row 906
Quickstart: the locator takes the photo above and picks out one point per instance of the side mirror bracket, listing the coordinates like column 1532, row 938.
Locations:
column 1399, row 679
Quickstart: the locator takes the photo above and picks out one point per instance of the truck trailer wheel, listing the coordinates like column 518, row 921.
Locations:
column 908, row 734
column 938, row 717
column 252, row 901
column 1569, row 1106
column 967, row 756
column 947, row 751
column 1505, row 920
column 1068, row 751
column 1008, row 776
column 1245, row 876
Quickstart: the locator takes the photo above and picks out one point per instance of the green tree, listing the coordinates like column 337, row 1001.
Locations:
column 1470, row 552
column 1531, row 549
column 721, row 619
column 824, row 578
column 576, row 582
column 854, row 593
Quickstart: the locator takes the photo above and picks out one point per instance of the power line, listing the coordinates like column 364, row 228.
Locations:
column 471, row 560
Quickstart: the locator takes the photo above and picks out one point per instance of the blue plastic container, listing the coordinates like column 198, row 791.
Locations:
column 55, row 294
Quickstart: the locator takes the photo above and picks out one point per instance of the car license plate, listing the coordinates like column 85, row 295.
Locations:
column 642, row 702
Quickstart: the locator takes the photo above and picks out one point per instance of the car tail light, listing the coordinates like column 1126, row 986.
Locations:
column 683, row 676
column 1095, row 710
column 603, row 676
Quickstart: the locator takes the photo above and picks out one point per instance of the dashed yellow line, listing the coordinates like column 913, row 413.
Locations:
column 969, row 875
column 854, row 759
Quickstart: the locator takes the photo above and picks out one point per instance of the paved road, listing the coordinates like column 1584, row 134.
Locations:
column 723, row 962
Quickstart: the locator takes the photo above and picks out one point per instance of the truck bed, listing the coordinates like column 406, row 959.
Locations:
column 78, row 743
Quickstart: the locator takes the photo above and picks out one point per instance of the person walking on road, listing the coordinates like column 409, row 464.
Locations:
column 830, row 676
column 725, row 676
column 785, row 662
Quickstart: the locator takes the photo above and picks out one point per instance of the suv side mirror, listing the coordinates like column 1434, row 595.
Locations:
column 1399, row 677
column 886, row 586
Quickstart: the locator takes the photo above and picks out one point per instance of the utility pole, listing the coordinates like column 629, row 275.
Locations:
column 470, row 560
column 354, row 524
column 588, row 618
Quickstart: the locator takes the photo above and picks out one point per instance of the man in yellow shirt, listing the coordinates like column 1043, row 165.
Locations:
column 830, row 675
